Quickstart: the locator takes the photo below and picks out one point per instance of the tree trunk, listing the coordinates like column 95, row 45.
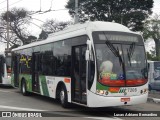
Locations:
column 157, row 48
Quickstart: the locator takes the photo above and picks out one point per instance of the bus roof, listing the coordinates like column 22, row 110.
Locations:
column 78, row 30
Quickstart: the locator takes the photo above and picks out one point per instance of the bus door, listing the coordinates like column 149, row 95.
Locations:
column 35, row 72
column 1, row 68
column 79, row 74
column 16, row 70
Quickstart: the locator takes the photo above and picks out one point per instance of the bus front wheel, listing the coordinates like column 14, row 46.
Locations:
column 23, row 88
column 63, row 97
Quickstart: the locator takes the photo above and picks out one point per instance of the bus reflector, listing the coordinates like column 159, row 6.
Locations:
column 114, row 89
column 125, row 99
column 67, row 80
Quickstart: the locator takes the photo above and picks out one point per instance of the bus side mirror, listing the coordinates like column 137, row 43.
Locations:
column 89, row 44
column 87, row 55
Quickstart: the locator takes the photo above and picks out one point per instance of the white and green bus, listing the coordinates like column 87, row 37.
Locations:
column 96, row 64
column 5, row 69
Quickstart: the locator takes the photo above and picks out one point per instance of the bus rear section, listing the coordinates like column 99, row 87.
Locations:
column 121, row 70
column 5, row 70
column 154, row 75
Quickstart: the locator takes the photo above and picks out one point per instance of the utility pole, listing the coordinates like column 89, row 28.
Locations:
column 7, row 26
column 40, row 5
column 76, row 18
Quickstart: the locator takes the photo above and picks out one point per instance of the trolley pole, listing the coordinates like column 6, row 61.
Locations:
column 7, row 26
column 76, row 18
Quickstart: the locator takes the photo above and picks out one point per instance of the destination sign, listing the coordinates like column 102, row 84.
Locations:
column 113, row 37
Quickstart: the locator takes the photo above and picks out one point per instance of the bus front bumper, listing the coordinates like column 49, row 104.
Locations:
column 95, row 100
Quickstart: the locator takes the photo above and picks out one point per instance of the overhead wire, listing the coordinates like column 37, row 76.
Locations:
column 35, row 12
column 43, row 12
column 51, row 4
column 3, row 1
column 11, row 4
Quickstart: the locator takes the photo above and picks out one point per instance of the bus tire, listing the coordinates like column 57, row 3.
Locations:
column 63, row 97
column 24, row 88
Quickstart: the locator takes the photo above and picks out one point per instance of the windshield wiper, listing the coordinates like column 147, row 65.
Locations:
column 130, row 51
column 113, row 49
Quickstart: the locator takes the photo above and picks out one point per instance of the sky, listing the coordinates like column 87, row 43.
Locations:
column 60, row 13
column 156, row 7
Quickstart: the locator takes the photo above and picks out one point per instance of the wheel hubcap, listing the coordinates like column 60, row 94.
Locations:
column 23, row 88
column 62, row 96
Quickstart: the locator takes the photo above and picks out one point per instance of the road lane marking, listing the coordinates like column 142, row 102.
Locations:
column 19, row 108
column 7, row 91
column 156, row 100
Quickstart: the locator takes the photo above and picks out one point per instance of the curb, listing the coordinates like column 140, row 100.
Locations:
column 156, row 100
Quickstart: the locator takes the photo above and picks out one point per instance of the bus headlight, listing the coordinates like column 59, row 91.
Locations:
column 8, row 76
column 98, row 91
column 106, row 93
column 101, row 92
column 144, row 91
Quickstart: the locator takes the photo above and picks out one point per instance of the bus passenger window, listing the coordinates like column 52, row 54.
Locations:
column 47, row 63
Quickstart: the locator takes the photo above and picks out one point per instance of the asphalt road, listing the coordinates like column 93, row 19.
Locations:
column 12, row 100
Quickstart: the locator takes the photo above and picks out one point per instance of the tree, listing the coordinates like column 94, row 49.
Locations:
column 130, row 13
column 19, row 19
column 152, row 30
column 13, row 41
column 43, row 35
column 151, row 57
column 51, row 26
column 30, row 39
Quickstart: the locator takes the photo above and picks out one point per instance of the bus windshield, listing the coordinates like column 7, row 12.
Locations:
column 121, row 64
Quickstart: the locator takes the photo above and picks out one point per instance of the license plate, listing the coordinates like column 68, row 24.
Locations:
column 125, row 99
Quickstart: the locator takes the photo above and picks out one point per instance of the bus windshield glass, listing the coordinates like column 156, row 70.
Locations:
column 120, row 63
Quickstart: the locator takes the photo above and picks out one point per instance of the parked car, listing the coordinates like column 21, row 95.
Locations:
column 154, row 75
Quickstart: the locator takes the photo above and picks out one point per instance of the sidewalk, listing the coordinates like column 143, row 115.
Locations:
column 154, row 96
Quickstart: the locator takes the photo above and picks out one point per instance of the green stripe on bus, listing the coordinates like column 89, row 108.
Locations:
column 28, row 79
column 101, row 87
column 44, row 85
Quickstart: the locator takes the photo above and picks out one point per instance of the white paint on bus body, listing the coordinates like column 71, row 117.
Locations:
column 52, row 83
